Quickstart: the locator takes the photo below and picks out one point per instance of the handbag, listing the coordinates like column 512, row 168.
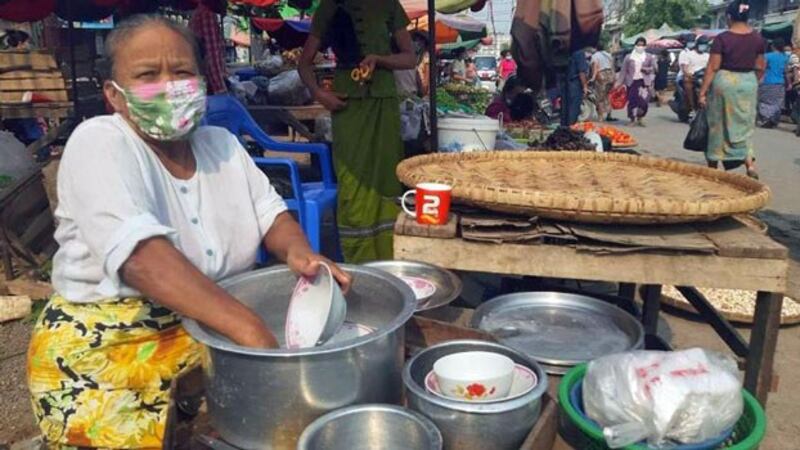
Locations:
column 697, row 138
column 618, row 97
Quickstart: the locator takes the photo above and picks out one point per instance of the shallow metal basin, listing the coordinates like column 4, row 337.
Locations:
column 371, row 427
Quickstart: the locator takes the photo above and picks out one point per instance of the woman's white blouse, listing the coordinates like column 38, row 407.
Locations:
column 114, row 192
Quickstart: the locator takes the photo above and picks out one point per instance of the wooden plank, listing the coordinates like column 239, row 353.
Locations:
column 724, row 329
column 763, row 340
column 54, row 95
column 422, row 332
column 36, row 228
column 32, row 84
column 734, row 239
column 24, row 206
column 28, row 74
column 36, row 60
column 566, row 262
column 55, row 110
column 408, row 226
column 543, row 434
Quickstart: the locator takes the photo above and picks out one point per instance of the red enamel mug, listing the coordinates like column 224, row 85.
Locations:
column 431, row 203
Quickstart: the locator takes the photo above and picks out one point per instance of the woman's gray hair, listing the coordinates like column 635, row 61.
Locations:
column 128, row 27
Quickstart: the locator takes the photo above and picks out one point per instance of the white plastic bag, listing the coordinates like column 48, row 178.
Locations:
column 687, row 396
column 14, row 157
column 287, row 89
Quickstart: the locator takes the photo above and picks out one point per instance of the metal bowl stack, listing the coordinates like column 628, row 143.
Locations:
column 499, row 425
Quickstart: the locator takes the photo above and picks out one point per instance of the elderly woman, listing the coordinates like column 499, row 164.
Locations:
column 638, row 74
column 153, row 210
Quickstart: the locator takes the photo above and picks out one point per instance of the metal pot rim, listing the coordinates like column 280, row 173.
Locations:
column 498, row 406
column 431, row 428
column 199, row 333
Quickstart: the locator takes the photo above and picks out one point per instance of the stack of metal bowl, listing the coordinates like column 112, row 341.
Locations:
column 265, row 398
column 497, row 425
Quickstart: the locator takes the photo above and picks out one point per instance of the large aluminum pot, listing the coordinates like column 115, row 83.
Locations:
column 263, row 399
column 500, row 425
column 371, row 427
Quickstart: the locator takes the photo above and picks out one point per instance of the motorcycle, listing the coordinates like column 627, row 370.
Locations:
column 678, row 103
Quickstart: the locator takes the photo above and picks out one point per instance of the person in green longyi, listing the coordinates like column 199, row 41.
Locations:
column 371, row 36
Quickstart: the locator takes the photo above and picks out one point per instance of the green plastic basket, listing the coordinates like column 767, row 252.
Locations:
column 747, row 433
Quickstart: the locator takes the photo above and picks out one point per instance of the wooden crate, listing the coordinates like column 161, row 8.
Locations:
column 26, row 223
column 35, row 72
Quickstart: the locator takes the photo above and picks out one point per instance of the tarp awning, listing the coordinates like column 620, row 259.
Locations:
column 418, row 8
column 449, row 28
column 777, row 29
column 650, row 35
column 288, row 33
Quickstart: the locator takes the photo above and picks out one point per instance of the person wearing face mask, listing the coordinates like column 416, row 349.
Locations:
column 693, row 62
column 153, row 210
column 729, row 91
column 772, row 90
column 508, row 66
column 638, row 75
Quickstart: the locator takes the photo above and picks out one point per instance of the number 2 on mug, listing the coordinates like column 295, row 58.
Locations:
column 431, row 203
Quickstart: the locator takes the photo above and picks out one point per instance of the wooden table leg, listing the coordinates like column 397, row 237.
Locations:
column 627, row 290
column 651, row 295
column 763, row 340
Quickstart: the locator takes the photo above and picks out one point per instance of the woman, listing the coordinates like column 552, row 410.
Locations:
column 366, row 117
column 638, row 75
column 601, row 80
column 509, row 102
column 662, row 73
column 152, row 211
column 772, row 91
column 471, row 72
column 736, row 65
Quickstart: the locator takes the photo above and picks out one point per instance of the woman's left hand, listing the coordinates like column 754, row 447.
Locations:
column 370, row 62
column 306, row 263
column 702, row 100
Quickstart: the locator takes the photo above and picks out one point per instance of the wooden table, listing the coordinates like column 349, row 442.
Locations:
column 746, row 259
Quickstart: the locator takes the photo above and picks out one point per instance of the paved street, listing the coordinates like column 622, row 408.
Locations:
column 778, row 162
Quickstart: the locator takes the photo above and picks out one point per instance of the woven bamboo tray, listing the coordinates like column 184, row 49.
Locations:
column 588, row 186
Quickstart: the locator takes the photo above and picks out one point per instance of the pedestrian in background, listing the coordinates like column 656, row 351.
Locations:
column 793, row 80
column 695, row 60
column 602, row 80
column 508, row 66
column 576, row 87
column 772, row 91
column 662, row 72
column 638, row 75
column 730, row 89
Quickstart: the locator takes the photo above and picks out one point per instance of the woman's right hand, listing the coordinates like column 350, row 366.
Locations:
column 330, row 100
column 702, row 100
column 255, row 334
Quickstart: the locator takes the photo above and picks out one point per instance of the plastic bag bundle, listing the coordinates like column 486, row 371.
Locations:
column 687, row 396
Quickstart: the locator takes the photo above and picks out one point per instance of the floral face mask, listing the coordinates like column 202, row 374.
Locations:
column 166, row 111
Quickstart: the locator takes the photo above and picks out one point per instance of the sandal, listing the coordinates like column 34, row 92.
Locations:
column 752, row 174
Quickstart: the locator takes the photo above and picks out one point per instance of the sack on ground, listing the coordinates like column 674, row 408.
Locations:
column 697, row 139
column 686, row 396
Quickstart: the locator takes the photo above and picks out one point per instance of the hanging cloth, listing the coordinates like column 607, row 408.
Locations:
column 544, row 34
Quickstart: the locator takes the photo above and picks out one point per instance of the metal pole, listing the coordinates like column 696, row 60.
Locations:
column 71, row 39
column 433, row 73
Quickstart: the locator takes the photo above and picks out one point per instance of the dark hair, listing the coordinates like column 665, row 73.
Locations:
column 778, row 44
column 738, row 10
column 503, row 53
column 521, row 106
column 124, row 30
column 640, row 40
column 511, row 83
